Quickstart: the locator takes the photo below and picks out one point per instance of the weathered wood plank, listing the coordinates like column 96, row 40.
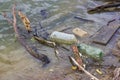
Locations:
column 106, row 32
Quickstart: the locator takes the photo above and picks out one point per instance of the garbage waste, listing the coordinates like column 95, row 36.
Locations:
column 63, row 38
column 99, row 72
column 90, row 51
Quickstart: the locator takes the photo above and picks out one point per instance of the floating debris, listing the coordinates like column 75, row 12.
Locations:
column 25, row 21
column 63, row 38
column 82, row 19
column 90, row 51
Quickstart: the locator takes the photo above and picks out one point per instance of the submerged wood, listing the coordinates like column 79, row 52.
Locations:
column 45, row 42
column 105, row 33
column 105, row 8
column 31, row 49
column 48, row 43
column 83, row 19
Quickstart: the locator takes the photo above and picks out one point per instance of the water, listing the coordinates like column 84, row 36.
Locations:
column 15, row 62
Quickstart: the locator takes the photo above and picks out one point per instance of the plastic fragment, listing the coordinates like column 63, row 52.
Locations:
column 74, row 67
column 99, row 72
column 63, row 38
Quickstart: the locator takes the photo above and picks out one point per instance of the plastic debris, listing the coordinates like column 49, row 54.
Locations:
column 90, row 51
column 63, row 38
column 99, row 72
column 74, row 67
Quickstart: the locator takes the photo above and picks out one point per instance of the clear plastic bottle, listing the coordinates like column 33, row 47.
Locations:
column 63, row 38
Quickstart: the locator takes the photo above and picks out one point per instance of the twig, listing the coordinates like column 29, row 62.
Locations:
column 93, row 77
column 32, row 50
column 48, row 43
column 45, row 42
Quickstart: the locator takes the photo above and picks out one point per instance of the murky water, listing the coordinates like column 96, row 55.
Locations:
column 16, row 63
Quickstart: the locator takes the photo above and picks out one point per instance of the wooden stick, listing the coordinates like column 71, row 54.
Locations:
column 93, row 77
column 31, row 49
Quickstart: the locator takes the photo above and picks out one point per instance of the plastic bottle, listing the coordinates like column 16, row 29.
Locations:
column 63, row 38
column 90, row 51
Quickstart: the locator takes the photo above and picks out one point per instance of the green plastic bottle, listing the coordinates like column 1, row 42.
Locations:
column 90, row 51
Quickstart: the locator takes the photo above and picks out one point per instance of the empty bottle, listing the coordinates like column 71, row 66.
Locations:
column 63, row 38
column 90, row 51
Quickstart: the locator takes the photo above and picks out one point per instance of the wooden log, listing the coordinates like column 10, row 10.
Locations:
column 105, row 8
column 106, row 32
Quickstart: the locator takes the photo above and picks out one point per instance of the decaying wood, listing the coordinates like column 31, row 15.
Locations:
column 45, row 42
column 77, row 55
column 25, row 21
column 83, row 19
column 105, row 8
column 48, row 43
column 93, row 77
column 31, row 49
column 106, row 32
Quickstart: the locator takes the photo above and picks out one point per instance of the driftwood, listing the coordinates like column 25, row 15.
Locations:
column 31, row 49
column 77, row 55
column 105, row 8
column 25, row 21
column 92, row 77
column 45, row 42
